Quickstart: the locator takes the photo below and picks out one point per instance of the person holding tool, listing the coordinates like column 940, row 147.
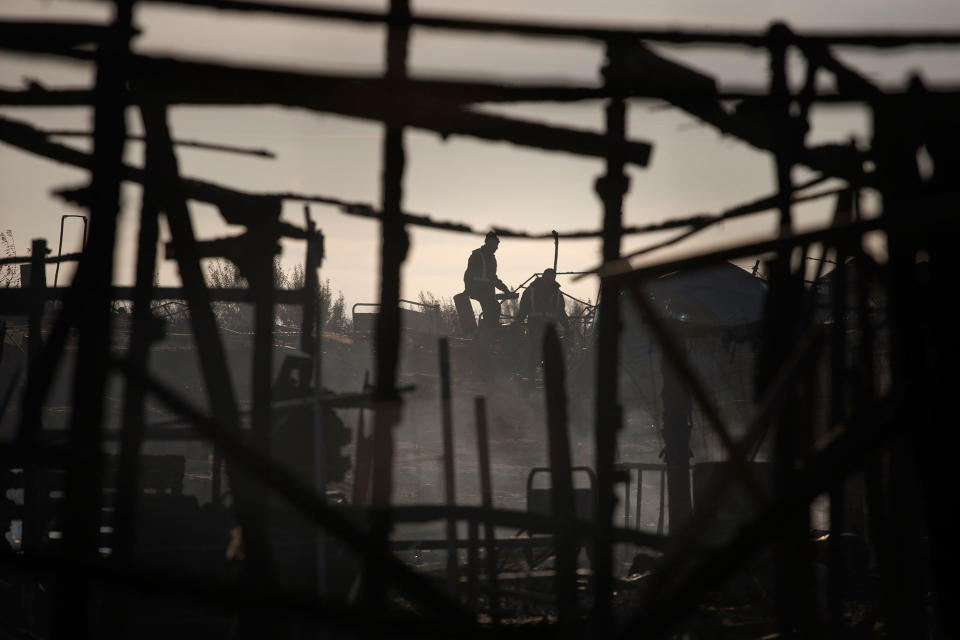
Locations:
column 480, row 279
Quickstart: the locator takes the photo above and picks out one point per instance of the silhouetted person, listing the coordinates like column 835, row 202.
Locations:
column 542, row 304
column 480, row 279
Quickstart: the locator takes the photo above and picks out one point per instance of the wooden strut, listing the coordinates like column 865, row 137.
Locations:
column 73, row 608
column 684, row 544
column 393, row 252
column 147, row 581
column 212, row 357
column 661, row 610
column 838, row 397
column 821, row 469
column 26, row 137
column 145, row 331
column 611, row 188
column 244, row 461
column 674, row 352
column 748, row 38
column 889, row 481
column 561, row 480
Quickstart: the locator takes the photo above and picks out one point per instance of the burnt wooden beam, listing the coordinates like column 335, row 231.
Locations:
column 750, row 38
column 66, row 257
column 196, row 144
column 73, row 616
column 562, row 501
column 749, row 121
column 849, row 81
column 840, row 394
column 231, row 202
column 395, row 242
column 236, row 206
column 782, row 123
column 39, row 97
column 146, row 328
column 429, row 105
column 459, row 92
column 620, row 274
column 664, row 608
column 31, row 425
column 611, row 188
column 258, row 266
column 897, row 135
column 287, row 485
column 164, row 173
column 478, row 25
column 56, row 37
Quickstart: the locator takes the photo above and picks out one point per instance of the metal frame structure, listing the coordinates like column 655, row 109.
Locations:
column 890, row 435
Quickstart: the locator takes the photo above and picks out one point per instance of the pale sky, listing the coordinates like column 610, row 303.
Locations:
column 692, row 168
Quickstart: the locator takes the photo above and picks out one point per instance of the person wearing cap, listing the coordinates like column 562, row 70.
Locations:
column 542, row 304
column 480, row 279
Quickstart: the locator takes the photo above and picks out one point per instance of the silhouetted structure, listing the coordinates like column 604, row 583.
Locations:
column 893, row 431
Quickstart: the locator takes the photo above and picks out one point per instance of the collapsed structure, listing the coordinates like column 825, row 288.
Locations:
column 890, row 427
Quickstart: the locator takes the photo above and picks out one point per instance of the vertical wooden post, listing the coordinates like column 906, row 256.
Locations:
column 393, row 251
column 128, row 472
column 895, row 145
column 73, row 618
column 611, row 187
column 840, row 393
column 211, row 355
column 779, row 36
column 784, row 320
column 793, row 602
column 561, row 485
column 258, row 265
column 31, row 425
column 38, row 295
column 486, row 498
column 449, row 486
column 838, row 389
column 311, row 341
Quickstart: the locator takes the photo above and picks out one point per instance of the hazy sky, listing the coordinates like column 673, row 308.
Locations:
column 692, row 168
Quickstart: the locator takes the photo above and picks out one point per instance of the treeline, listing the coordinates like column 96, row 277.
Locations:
column 9, row 273
column 238, row 317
